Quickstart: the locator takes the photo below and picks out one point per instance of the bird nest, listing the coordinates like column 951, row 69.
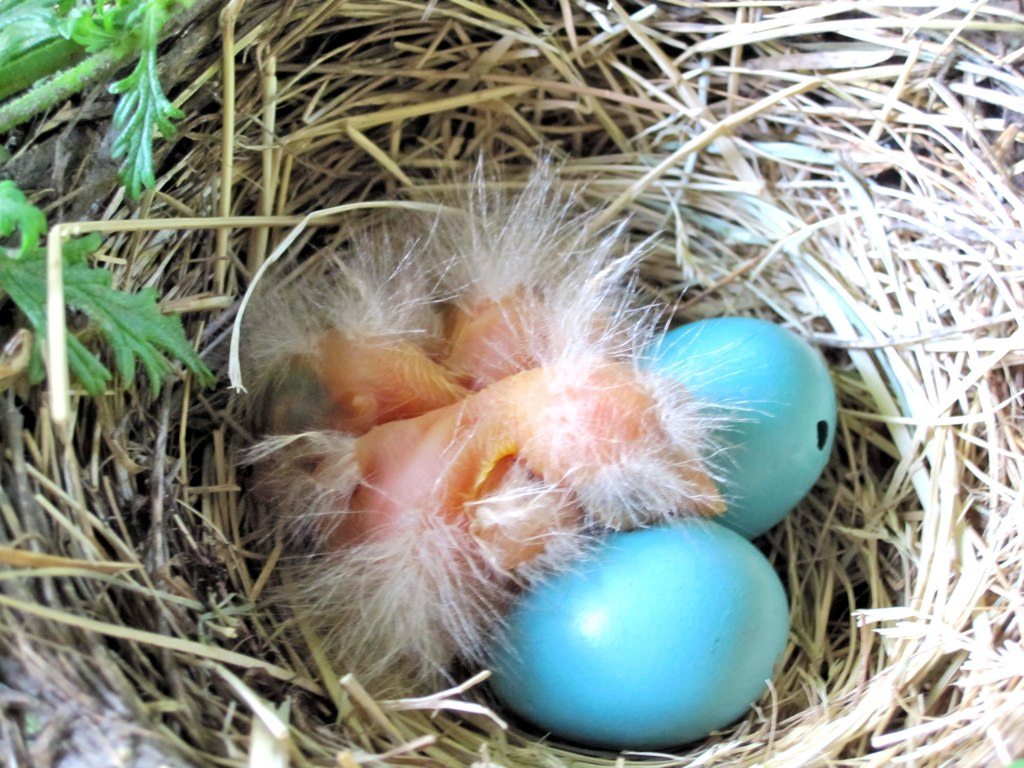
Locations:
column 852, row 171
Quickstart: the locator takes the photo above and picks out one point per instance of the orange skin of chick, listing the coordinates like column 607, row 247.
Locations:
column 367, row 382
column 447, row 458
column 440, row 437
column 487, row 339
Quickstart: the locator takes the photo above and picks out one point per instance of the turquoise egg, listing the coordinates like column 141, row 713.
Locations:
column 772, row 397
column 656, row 639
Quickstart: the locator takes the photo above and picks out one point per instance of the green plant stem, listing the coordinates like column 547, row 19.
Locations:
column 59, row 88
column 38, row 63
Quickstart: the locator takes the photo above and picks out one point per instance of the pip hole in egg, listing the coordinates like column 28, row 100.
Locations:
column 481, row 449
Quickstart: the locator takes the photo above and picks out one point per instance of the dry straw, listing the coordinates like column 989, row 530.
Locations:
column 851, row 169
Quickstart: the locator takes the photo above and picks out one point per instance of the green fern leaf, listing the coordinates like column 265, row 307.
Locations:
column 131, row 323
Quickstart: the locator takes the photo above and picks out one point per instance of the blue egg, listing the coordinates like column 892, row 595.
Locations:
column 658, row 638
column 773, row 397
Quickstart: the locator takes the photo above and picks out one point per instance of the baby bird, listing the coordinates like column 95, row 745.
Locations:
column 452, row 417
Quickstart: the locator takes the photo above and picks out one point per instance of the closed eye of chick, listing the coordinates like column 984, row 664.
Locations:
column 449, row 422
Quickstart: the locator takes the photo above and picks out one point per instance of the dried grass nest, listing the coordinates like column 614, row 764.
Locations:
column 852, row 170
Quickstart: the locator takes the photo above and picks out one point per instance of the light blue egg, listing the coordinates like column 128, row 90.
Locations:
column 660, row 637
column 773, row 396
